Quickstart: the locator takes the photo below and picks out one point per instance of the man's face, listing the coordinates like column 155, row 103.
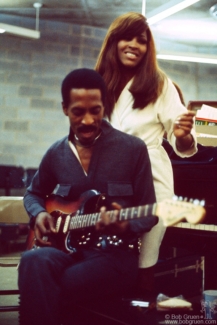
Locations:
column 85, row 113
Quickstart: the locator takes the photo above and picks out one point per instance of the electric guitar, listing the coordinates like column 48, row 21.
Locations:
column 75, row 221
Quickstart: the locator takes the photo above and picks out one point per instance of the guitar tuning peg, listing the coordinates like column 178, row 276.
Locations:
column 196, row 202
column 175, row 198
column 185, row 199
column 202, row 203
column 180, row 198
column 191, row 200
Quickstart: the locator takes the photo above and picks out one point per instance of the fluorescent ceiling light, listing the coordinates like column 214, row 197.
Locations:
column 177, row 31
column 20, row 31
column 193, row 58
column 170, row 11
column 24, row 32
column 143, row 7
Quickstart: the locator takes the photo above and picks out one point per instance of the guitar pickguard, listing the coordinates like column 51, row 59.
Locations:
column 89, row 202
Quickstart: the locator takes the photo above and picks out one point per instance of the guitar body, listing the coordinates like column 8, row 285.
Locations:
column 61, row 210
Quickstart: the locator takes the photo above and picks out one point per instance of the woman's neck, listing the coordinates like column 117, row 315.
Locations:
column 127, row 73
column 126, row 76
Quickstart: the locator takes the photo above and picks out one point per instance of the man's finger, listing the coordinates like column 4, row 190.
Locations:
column 51, row 225
column 41, row 240
column 116, row 206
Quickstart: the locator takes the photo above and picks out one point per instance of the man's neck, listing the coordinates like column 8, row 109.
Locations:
column 85, row 155
column 77, row 142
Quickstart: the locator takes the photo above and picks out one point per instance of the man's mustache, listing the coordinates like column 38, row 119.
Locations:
column 86, row 129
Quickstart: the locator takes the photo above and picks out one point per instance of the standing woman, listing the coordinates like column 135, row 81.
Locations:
column 143, row 101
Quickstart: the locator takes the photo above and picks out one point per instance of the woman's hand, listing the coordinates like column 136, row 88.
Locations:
column 182, row 130
column 110, row 224
column 44, row 226
column 184, row 124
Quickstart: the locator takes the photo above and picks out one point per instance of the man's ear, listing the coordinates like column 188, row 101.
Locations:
column 65, row 110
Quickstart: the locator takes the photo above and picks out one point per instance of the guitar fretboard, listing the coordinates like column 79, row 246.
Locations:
column 88, row 220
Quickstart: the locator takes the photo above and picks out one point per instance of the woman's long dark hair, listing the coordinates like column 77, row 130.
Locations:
column 149, row 78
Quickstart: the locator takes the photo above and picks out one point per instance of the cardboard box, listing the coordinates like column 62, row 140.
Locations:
column 12, row 210
column 204, row 130
column 203, row 133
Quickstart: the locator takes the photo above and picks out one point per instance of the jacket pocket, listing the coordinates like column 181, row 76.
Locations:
column 120, row 189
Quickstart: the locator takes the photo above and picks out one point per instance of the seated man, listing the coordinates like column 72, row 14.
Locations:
column 94, row 156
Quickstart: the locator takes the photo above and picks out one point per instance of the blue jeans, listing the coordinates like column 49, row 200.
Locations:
column 48, row 277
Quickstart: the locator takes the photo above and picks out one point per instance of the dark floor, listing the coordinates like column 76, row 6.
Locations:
column 8, row 280
column 10, row 253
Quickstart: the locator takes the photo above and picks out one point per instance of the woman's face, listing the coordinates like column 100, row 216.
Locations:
column 132, row 50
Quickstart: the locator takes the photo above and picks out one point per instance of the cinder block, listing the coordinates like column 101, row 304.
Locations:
column 31, row 45
column 88, row 31
column 76, row 29
column 2, row 101
column 7, row 136
column 75, row 50
column 16, row 149
column 7, row 89
column 8, row 66
column 88, row 63
column 100, row 33
column 15, row 102
column 8, row 159
column 87, row 52
column 29, row 113
column 56, row 48
column 181, row 68
column 2, row 78
column 92, row 42
column 16, row 125
column 56, row 26
column 42, row 103
column 30, row 91
column 2, row 54
column 68, row 39
column 18, row 56
column 9, row 42
column 44, row 81
column 212, row 71
column 18, row 78
column 37, row 58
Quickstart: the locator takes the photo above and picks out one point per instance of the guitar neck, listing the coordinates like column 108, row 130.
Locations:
column 89, row 220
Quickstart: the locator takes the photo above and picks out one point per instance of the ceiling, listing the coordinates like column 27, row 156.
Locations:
column 193, row 25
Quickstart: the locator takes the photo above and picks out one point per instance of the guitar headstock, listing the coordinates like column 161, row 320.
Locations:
column 178, row 209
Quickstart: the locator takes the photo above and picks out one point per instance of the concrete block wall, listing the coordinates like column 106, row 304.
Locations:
column 31, row 72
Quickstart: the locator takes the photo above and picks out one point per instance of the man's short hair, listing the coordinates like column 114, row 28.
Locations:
column 82, row 78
